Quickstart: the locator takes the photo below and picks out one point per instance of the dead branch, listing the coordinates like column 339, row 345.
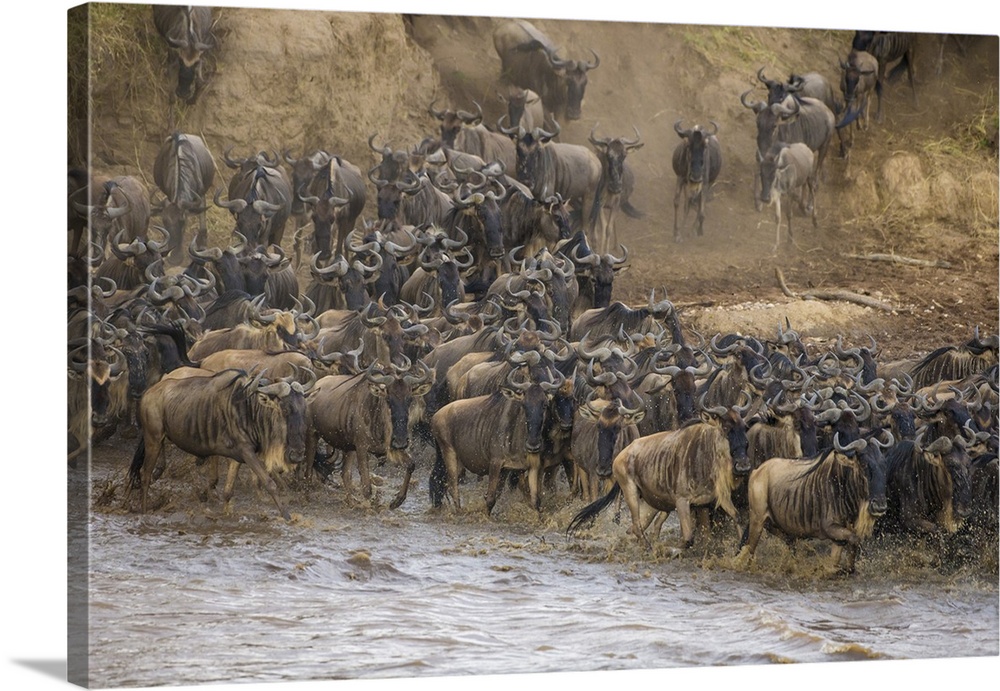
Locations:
column 839, row 295
column 898, row 259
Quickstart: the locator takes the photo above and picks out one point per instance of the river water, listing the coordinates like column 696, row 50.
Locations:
column 184, row 595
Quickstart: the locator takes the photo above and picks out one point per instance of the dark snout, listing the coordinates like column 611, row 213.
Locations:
column 877, row 506
column 742, row 466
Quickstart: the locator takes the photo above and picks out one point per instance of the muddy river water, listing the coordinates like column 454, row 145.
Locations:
column 184, row 595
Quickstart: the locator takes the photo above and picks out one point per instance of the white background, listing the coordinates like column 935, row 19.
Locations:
column 32, row 485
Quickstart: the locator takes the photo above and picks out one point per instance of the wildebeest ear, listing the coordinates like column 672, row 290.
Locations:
column 422, row 389
column 635, row 418
column 707, row 417
column 511, row 394
column 376, row 389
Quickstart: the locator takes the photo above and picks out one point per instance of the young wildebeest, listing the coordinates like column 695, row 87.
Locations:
column 612, row 190
column 857, row 84
column 788, row 170
column 836, row 496
column 696, row 466
column 697, row 161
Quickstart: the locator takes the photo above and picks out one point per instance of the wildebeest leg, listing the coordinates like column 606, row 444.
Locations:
column 361, row 458
column 658, row 519
column 493, row 487
column 776, row 201
column 401, row 495
column 227, row 492
column 452, row 466
column 687, row 521
column 811, row 184
column 701, row 207
column 678, row 194
column 154, row 444
column 534, row 484
column 878, row 92
column 631, row 494
column 346, row 479
column 248, row 456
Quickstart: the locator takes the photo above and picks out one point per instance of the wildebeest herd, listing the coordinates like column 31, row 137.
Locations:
column 474, row 317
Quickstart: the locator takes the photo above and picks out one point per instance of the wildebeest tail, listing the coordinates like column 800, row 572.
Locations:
column 439, row 478
column 138, row 458
column 590, row 511
column 175, row 332
column 631, row 211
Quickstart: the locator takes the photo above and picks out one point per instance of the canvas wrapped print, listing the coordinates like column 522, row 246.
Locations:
column 421, row 345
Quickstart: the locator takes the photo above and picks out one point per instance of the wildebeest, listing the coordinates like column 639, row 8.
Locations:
column 369, row 412
column 528, row 59
column 548, row 168
column 488, row 434
column 887, row 47
column 787, row 172
column 336, row 195
column 121, row 207
column 524, row 108
column 184, row 170
column 231, row 414
column 696, row 466
column 464, row 131
column 836, row 496
column 601, row 429
column 857, row 82
column 260, row 199
column 805, row 120
column 928, row 487
column 96, row 391
column 188, row 31
column 697, row 161
column 612, row 190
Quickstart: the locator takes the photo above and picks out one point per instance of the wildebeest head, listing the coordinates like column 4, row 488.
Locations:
column 103, row 365
column 534, row 400
column 610, row 417
column 857, row 80
column 730, row 421
column 529, row 147
column 253, row 218
column 775, row 170
column 399, row 386
column 188, row 31
column 483, row 208
column 280, row 418
column 574, row 77
column 612, row 153
column 304, row 170
column 870, row 458
column 452, row 121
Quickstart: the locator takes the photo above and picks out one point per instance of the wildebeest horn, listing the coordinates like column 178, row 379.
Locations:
column 234, row 205
column 599, row 143
column 765, row 80
column 255, row 308
column 755, row 106
column 553, row 386
column 516, row 385
column 439, row 114
column 539, row 133
column 683, row 132
column 471, row 118
column 636, row 143
column 597, row 61
column 385, row 150
column 158, row 246
column 616, row 260
column 232, row 163
column 855, row 446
